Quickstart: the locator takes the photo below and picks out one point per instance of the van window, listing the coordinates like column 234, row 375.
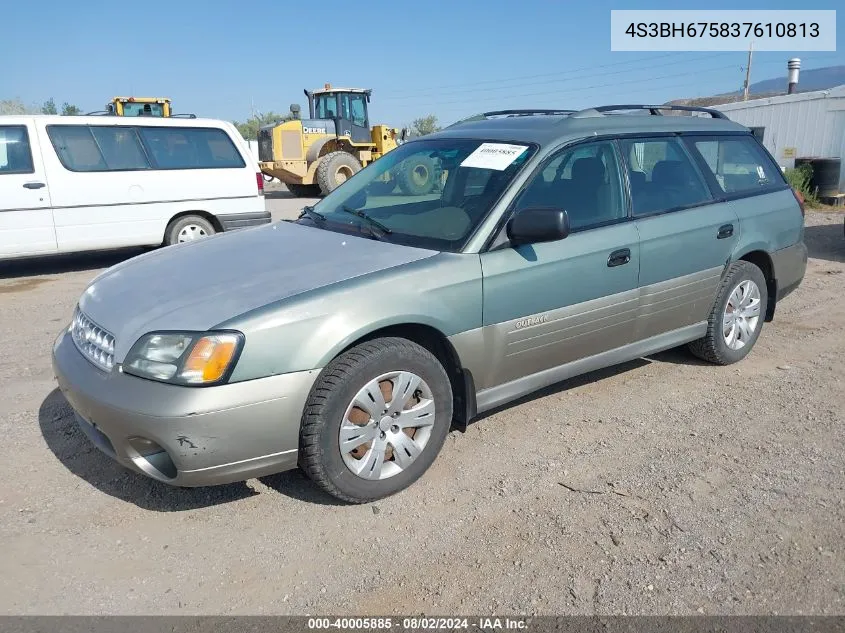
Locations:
column 584, row 181
column 15, row 155
column 76, row 147
column 121, row 148
column 190, row 148
column 738, row 164
column 662, row 176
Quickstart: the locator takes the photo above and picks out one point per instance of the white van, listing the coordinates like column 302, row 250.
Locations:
column 77, row 183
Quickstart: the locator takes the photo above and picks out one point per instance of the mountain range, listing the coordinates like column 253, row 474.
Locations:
column 808, row 80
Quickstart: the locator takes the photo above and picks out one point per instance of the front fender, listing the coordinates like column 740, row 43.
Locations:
column 307, row 331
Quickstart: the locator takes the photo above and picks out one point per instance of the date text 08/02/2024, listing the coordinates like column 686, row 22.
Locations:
column 487, row 623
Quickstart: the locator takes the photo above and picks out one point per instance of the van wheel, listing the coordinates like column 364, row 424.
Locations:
column 737, row 316
column 188, row 228
column 335, row 169
column 375, row 420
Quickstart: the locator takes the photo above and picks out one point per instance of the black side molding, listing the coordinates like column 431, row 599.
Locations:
column 234, row 221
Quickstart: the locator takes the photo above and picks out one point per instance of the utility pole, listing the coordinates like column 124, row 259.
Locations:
column 747, row 72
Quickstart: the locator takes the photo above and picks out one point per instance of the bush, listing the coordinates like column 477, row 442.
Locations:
column 799, row 179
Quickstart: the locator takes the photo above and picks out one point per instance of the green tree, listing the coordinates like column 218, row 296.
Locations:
column 70, row 110
column 49, row 107
column 249, row 128
column 425, row 125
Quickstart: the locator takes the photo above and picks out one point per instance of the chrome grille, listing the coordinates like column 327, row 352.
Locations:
column 95, row 343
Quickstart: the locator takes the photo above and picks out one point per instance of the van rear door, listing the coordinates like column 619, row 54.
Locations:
column 26, row 219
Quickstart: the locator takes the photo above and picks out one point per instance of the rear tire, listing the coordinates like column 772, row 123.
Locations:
column 737, row 317
column 188, row 228
column 400, row 374
column 335, row 169
column 303, row 191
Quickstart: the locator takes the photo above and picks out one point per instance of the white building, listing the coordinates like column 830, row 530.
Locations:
column 802, row 125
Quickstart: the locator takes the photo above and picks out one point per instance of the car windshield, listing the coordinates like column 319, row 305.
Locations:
column 429, row 193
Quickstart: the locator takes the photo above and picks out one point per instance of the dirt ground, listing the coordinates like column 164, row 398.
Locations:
column 664, row 486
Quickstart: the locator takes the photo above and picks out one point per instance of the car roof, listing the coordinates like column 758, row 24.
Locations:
column 107, row 119
column 548, row 129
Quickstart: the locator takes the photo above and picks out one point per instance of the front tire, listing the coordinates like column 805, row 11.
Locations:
column 335, row 169
column 188, row 228
column 375, row 420
column 737, row 316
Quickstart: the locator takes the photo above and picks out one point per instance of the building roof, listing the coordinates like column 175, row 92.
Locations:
column 837, row 92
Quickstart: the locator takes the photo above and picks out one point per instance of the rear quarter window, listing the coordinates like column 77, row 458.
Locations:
column 738, row 164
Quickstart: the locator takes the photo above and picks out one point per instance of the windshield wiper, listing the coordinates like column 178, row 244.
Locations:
column 316, row 216
column 370, row 220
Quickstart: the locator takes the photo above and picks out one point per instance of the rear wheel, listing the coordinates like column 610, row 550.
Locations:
column 375, row 420
column 737, row 316
column 303, row 191
column 335, row 169
column 188, row 228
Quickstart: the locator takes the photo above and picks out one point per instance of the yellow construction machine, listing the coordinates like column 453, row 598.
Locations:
column 313, row 156
column 140, row 106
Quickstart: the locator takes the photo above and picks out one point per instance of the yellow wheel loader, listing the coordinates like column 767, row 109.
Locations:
column 142, row 106
column 313, row 156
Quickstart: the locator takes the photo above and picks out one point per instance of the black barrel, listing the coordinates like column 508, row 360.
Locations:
column 825, row 180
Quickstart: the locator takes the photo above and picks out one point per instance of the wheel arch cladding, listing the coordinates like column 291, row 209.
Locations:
column 432, row 339
column 763, row 261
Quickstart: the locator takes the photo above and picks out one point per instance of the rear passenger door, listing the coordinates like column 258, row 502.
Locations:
column 552, row 303
column 26, row 221
column 686, row 236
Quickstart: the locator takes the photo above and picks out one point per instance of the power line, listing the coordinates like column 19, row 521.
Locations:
column 604, row 85
column 568, row 76
column 521, row 77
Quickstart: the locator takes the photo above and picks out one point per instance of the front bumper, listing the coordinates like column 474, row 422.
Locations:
column 234, row 221
column 186, row 436
column 789, row 265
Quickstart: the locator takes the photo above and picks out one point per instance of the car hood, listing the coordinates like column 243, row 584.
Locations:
column 198, row 285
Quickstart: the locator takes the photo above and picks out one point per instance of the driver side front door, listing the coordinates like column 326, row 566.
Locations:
column 549, row 304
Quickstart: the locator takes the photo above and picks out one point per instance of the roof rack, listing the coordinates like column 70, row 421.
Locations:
column 510, row 113
column 654, row 110
column 530, row 112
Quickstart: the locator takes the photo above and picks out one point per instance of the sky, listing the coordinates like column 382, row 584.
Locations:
column 222, row 59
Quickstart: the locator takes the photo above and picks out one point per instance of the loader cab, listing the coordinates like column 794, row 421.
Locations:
column 347, row 107
column 139, row 106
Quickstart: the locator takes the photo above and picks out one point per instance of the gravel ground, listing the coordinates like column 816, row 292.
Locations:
column 664, row 486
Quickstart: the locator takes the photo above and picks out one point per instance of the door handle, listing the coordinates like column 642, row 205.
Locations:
column 726, row 230
column 33, row 185
column 618, row 258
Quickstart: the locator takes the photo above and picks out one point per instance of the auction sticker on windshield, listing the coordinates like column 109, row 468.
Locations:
column 494, row 156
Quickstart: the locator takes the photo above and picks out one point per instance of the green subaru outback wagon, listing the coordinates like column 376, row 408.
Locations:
column 350, row 341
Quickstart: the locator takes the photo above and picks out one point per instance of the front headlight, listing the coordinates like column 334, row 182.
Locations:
column 184, row 358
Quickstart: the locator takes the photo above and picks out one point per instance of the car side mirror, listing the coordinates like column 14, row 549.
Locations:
column 538, row 224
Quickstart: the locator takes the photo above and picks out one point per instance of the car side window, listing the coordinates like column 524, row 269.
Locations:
column 738, row 164
column 661, row 175
column 15, row 154
column 584, row 181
